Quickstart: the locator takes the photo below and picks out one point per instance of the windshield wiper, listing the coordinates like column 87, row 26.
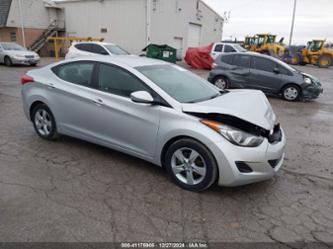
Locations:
column 204, row 99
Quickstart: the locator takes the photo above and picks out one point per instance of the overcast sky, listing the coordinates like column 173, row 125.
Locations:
column 314, row 18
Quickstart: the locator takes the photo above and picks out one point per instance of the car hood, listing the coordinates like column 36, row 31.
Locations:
column 249, row 105
column 20, row 52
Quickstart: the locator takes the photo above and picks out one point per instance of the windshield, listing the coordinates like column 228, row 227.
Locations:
column 12, row 46
column 239, row 48
column 113, row 49
column 179, row 83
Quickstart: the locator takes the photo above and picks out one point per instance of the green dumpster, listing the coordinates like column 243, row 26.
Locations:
column 161, row 52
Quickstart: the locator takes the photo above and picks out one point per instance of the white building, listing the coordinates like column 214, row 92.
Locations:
column 133, row 24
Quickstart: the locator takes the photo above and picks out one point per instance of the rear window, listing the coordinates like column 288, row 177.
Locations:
column 242, row 61
column 79, row 73
column 218, row 48
column 227, row 59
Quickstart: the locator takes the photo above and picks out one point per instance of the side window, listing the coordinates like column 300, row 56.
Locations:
column 229, row 49
column 242, row 61
column 283, row 70
column 218, row 48
column 263, row 64
column 79, row 73
column 97, row 49
column 81, row 46
column 118, row 81
column 227, row 58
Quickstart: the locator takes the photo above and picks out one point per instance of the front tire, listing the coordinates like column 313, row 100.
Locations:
column 44, row 122
column 191, row 165
column 221, row 82
column 291, row 93
column 325, row 61
column 8, row 61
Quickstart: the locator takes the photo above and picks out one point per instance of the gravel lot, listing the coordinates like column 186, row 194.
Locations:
column 72, row 190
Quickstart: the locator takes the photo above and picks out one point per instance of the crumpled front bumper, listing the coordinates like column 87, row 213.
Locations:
column 264, row 161
column 312, row 91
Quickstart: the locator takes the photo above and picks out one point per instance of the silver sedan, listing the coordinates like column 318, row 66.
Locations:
column 161, row 113
column 13, row 54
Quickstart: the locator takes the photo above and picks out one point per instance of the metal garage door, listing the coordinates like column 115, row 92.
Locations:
column 194, row 32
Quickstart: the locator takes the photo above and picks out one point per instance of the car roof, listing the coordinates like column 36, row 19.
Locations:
column 129, row 60
column 94, row 42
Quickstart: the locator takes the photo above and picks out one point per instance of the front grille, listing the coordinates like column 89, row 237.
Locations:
column 243, row 167
column 29, row 56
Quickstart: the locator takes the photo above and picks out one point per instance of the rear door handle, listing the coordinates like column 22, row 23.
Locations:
column 51, row 86
column 98, row 102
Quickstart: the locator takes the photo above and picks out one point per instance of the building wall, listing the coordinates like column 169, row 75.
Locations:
column 171, row 21
column 118, row 21
column 34, row 13
column 126, row 22
column 6, row 35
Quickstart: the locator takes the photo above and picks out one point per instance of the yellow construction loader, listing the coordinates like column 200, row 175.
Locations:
column 319, row 53
column 266, row 44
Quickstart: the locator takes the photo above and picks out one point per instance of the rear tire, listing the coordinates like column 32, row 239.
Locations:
column 191, row 165
column 221, row 82
column 44, row 122
column 8, row 61
column 325, row 61
column 291, row 92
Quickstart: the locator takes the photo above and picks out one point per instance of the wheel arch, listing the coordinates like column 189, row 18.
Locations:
column 172, row 140
column 290, row 84
column 177, row 138
column 33, row 105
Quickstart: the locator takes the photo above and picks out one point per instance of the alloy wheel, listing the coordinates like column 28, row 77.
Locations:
column 188, row 166
column 221, row 83
column 43, row 122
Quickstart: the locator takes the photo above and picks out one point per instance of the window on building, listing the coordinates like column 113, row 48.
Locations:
column 79, row 73
column 13, row 37
column 118, row 81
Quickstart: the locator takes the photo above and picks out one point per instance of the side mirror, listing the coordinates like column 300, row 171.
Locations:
column 143, row 97
column 276, row 70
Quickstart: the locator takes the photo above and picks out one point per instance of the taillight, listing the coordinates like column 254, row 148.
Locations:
column 214, row 65
column 26, row 79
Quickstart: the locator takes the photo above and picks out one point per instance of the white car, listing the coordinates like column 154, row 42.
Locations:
column 224, row 47
column 84, row 49
column 13, row 54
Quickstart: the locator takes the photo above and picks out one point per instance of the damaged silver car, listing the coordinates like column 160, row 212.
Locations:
column 161, row 113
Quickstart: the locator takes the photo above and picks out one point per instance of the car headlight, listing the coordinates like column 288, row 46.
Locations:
column 234, row 135
column 18, row 55
column 307, row 80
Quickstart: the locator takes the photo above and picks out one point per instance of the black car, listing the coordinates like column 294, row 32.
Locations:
column 266, row 73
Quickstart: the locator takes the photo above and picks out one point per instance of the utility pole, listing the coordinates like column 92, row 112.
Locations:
column 22, row 23
column 292, row 23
